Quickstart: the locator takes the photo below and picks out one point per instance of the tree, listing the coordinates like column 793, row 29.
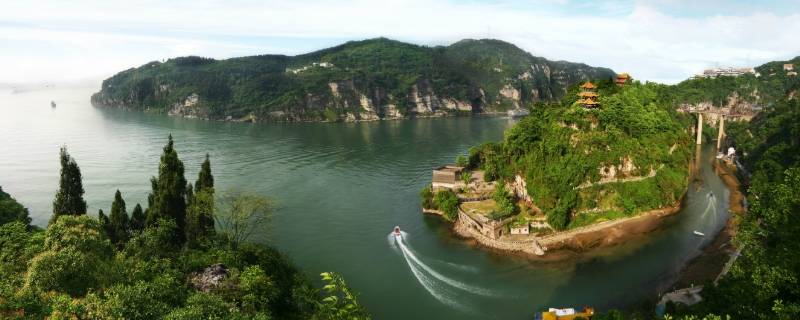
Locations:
column 137, row 219
column 204, row 179
column 200, row 210
column 427, row 198
column 118, row 220
column 462, row 161
column 447, row 202
column 105, row 224
column 69, row 198
column 169, row 192
column 466, row 177
column 242, row 214
column 205, row 185
column 504, row 200
column 75, row 259
column 341, row 302
column 11, row 210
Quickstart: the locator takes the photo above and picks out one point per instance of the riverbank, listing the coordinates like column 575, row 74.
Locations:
column 283, row 118
column 566, row 244
column 709, row 264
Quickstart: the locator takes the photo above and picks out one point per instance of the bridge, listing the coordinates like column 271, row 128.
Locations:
column 722, row 113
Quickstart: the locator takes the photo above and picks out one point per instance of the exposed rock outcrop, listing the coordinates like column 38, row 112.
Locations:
column 210, row 278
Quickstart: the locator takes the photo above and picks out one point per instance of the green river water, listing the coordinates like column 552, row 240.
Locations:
column 341, row 189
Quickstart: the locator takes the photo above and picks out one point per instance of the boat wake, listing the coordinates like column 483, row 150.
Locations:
column 433, row 281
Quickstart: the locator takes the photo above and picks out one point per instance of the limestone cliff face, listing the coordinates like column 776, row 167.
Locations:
column 357, row 81
column 744, row 108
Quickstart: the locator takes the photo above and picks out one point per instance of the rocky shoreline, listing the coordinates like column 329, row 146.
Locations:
column 566, row 244
column 253, row 119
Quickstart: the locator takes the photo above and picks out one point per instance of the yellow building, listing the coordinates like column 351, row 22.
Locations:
column 588, row 95
column 622, row 78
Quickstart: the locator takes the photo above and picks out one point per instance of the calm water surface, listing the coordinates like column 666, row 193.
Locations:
column 341, row 189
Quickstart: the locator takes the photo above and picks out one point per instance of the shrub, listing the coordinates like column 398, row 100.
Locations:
column 505, row 201
column 427, row 198
column 75, row 259
column 462, row 161
column 447, row 201
column 204, row 306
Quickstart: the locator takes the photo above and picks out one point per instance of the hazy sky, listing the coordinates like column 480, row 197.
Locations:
column 657, row 40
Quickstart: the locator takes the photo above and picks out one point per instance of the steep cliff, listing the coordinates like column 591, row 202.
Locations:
column 360, row 80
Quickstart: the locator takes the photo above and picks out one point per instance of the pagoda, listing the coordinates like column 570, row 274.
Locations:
column 622, row 78
column 588, row 95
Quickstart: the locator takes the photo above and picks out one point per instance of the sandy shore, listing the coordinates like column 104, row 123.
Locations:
column 706, row 266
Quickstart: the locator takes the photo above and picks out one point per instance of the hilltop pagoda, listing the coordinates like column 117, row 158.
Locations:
column 622, row 78
column 588, row 95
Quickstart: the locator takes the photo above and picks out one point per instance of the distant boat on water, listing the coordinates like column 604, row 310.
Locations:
column 698, row 233
column 52, row 104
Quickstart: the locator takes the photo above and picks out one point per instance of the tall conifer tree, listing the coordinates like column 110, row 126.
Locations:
column 104, row 222
column 118, row 218
column 137, row 219
column 69, row 198
column 204, row 196
column 169, row 192
column 204, row 178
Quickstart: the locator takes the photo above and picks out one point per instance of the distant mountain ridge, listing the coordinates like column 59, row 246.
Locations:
column 358, row 80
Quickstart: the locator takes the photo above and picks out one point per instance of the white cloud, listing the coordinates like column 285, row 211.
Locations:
column 46, row 40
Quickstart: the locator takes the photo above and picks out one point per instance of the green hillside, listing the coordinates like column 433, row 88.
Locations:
column 574, row 160
column 358, row 80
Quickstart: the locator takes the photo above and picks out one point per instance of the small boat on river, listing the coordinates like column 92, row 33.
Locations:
column 565, row 314
column 698, row 233
column 396, row 232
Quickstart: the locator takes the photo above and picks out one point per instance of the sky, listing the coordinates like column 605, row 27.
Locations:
column 655, row 40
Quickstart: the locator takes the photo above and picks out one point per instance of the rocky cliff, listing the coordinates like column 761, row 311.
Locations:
column 361, row 80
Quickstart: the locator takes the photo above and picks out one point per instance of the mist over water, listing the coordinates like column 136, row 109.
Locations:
column 340, row 187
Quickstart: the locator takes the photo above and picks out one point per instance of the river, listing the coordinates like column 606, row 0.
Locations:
column 341, row 189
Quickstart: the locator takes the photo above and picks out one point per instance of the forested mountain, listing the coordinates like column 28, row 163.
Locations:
column 358, row 80
column 768, row 85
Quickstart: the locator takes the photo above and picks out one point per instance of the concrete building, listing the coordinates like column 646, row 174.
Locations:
column 520, row 229
column 446, row 177
column 492, row 229
column 788, row 67
column 730, row 72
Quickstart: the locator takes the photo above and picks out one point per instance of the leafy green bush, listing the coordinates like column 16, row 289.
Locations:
column 75, row 259
column 427, row 198
column 447, row 202
column 505, row 201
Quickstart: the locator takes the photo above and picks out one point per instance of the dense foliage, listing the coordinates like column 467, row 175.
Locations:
column 763, row 282
column 132, row 267
column 11, row 210
column 331, row 83
column 447, row 202
column 570, row 156
column 770, row 85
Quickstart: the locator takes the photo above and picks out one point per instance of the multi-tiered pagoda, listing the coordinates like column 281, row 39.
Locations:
column 588, row 95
